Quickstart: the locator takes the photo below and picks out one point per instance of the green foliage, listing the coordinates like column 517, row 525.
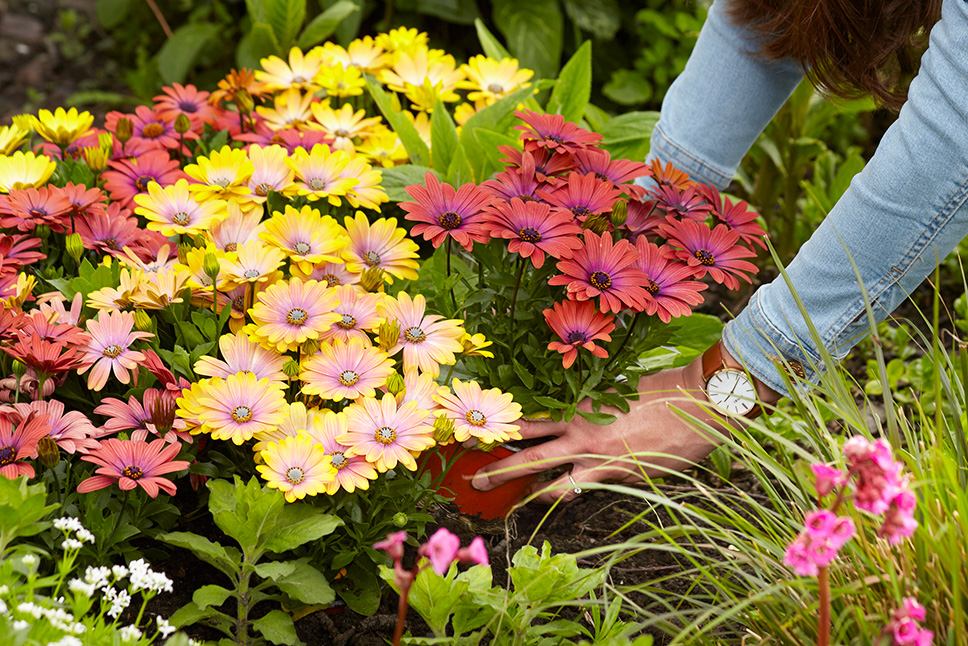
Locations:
column 259, row 520
column 23, row 508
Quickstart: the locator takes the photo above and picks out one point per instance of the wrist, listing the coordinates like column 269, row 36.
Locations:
column 727, row 382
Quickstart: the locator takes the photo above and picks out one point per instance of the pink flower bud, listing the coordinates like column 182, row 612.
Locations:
column 441, row 549
column 827, row 478
column 476, row 552
column 393, row 545
column 911, row 608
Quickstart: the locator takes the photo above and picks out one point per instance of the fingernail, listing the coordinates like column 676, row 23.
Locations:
column 480, row 481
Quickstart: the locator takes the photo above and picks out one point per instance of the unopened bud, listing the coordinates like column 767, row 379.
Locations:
column 42, row 231
column 124, row 130
column 291, row 368
column 142, row 320
column 596, row 223
column 310, row 347
column 400, row 519
column 620, row 213
column 182, row 123
column 75, row 246
column 443, row 429
column 106, row 141
column 396, row 384
column 244, row 102
column 389, row 334
column 96, row 158
column 183, row 249
column 372, row 279
column 48, row 451
column 487, row 447
column 210, row 266
column 19, row 368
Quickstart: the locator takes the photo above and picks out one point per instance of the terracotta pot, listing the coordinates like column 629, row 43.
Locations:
column 488, row 505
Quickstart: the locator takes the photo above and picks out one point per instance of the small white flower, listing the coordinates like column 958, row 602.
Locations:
column 4, row 589
column 164, row 627
column 20, row 624
column 119, row 572
column 118, row 603
column 87, row 589
column 130, row 633
column 67, row 640
column 71, row 544
column 29, row 560
column 68, row 524
column 28, row 608
column 3, row 608
column 97, row 576
column 85, row 536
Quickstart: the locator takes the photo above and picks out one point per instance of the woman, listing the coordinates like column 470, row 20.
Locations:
column 900, row 216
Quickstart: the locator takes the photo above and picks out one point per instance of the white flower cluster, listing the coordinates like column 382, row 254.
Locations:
column 119, row 601
column 164, row 627
column 144, row 578
column 68, row 524
column 58, row 618
column 67, row 640
column 130, row 633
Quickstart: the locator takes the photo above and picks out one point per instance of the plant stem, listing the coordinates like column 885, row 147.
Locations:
column 580, row 380
column 514, row 299
column 453, row 299
column 401, row 615
column 823, row 621
column 621, row 346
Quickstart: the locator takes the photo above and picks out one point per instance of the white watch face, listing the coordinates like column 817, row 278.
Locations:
column 732, row 391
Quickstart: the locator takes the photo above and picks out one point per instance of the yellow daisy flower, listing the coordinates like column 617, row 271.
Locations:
column 402, row 40
column 238, row 228
column 424, row 80
column 174, row 210
column 63, row 128
column 352, row 473
column 465, row 111
column 194, row 266
column 367, row 192
column 269, row 172
column 298, row 73
column 291, row 312
column 291, row 109
column 161, row 289
column 305, row 235
column 234, row 408
column 380, row 244
column 420, row 121
column 255, row 263
column 24, row 170
column 318, row 173
column 384, row 149
column 297, row 466
column 110, row 298
column 19, row 291
column 298, row 419
column 341, row 81
column 11, row 138
column 363, row 53
column 223, row 175
column 490, row 80
column 344, row 125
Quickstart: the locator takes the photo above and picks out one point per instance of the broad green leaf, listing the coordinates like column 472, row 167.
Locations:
column 322, row 26
column 603, row 18
column 206, row 550
column 602, row 419
column 533, row 33
column 177, row 56
column 360, row 589
column 260, row 42
column 349, row 28
column 286, row 18
column 492, row 46
column 256, row 10
column 191, row 614
column 299, row 524
column 273, row 570
column 498, row 118
column 459, row 172
column 210, row 595
column 462, row 12
column 628, row 87
column 416, row 148
column 627, row 136
column 306, row 584
column 397, row 179
column 574, row 86
column 489, row 141
column 111, row 13
column 443, row 136
column 277, row 627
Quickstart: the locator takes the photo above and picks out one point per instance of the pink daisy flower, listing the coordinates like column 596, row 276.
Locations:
column 578, row 324
column 235, row 408
column 110, row 349
column 18, row 440
column 737, row 216
column 534, row 229
column 184, row 99
column 25, row 209
column 553, row 132
column 241, row 354
column 668, row 283
column 130, row 416
column 289, row 313
column 442, row 212
column 598, row 162
column 716, row 252
column 519, row 182
column 487, row 415
column 582, row 195
column 289, row 139
column 420, row 388
column 334, row 274
column 358, row 315
column 148, row 127
column 386, row 435
column 237, row 229
column 682, row 202
column 547, row 165
column 130, row 177
column 109, row 230
column 131, row 464
column 16, row 249
column 644, row 217
column 607, row 271
column 427, row 340
column 345, row 370
column 82, row 198
column 72, row 431
column 352, row 472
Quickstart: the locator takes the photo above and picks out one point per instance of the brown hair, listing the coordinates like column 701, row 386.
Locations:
column 850, row 48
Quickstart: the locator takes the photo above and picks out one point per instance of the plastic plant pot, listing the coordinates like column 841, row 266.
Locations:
column 488, row 505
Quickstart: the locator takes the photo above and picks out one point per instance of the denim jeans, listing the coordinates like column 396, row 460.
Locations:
column 900, row 216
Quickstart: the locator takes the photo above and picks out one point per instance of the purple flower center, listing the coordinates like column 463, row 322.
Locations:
column 385, row 435
column 188, row 106
column 651, row 286
column 111, row 243
column 38, row 212
column 527, row 198
column 347, row 322
column 580, row 210
column 476, row 418
column 602, row 176
column 705, row 257
column 530, row 234
column 133, row 472
column 554, row 138
column 143, row 181
column 296, row 316
column 349, row 377
column 414, row 334
column 600, row 280
column 577, row 337
column 7, row 454
column 339, row 459
column 371, row 258
column 449, row 220
column 111, row 351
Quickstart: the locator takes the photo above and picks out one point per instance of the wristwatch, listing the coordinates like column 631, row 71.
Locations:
column 728, row 385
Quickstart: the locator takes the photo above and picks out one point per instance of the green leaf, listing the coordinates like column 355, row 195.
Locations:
column 177, row 56
column 574, row 86
column 397, row 179
column 462, row 12
column 349, row 28
column 322, row 26
column 191, row 614
column 360, row 589
column 306, row 584
column 256, row 10
column 722, row 461
column 627, row 136
column 277, row 627
column 628, row 87
column 111, row 13
column 273, row 570
column 498, row 118
column 603, row 18
column 205, row 549
column 489, row 141
column 492, row 46
column 286, row 18
column 416, row 148
column 210, row 595
column 443, row 137
column 301, row 523
column 523, row 374
column 533, row 33
column 459, row 172
column 259, row 43
column 602, row 419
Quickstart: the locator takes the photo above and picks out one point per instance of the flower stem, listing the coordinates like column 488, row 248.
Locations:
column 621, row 346
column 514, row 299
column 453, row 299
column 401, row 615
column 823, row 620
column 580, row 380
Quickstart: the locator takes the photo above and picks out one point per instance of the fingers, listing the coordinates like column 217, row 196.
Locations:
column 531, row 429
column 526, row 462
column 561, row 489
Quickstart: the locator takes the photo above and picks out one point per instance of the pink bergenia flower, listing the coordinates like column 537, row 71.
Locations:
column 133, row 464
column 110, row 349
column 553, row 132
column 441, row 212
column 393, row 545
column 578, row 324
column 606, row 270
column 672, row 292
column 904, row 627
column 476, row 552
column 899, row 520
column 716, row 252
column 441, row 550
column 534, row 229
column 19, row 436
column 827, row 478
column 815, row 547
column 878, row 476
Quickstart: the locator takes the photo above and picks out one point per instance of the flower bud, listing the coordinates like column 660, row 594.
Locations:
column 96, row 158
column 183, row 249
column 396, row 384
column 182, row 123
column 291, row 368
column 372, row 279
column 389, row 334
column 75, row 246
column 400, row 519
column 620, row 213
column 210, row 266
column 443, row 429
column 310, row 347
column 596, row 223
column 124, row 130
column 486, row 447
column 48, row 451
column 244, row 102
column 19, row 368
column 142, row 320
column 106, row 141
column 42, row 231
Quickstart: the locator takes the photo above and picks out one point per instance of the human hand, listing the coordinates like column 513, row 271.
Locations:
column 652, row 439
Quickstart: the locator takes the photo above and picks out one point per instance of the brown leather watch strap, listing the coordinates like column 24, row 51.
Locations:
column 716, row 358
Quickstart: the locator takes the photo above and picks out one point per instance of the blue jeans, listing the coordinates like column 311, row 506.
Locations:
column 900, row 216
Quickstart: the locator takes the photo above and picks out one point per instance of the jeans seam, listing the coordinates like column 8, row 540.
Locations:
column 789, row 346
column 702, row 167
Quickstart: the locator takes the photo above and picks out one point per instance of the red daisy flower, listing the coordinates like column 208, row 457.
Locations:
column 583, row 195
column 288, row 139
column 184, row 99
column 442, row 212
column 668, row 282
column 11, row 322
column 82, row 198
column 547, row 165
column 25, row 209
column 601, row 164
column 18, row 440
column 738, row 216
column 643, row 218
column 148, row 127
column 685, row 203
column 553, row 132
column 45, row 357
column 110, row 230
column 716, row 252
column 130, row 177
column 16, row 249
column 534, row 230
column 578, row 324
column 132, row 464
column 670, row 175
column 519, row 182
column 602, row 269
column 63, row 333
